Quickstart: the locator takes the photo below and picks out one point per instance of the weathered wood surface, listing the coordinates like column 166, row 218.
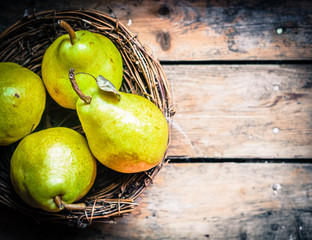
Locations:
column 202, row 30
column 205, row 201
column 223, row 201
column 241, row 111
column 223, row 111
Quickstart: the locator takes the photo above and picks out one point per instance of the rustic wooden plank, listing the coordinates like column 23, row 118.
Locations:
column 241, row 111
column 222, row 201
column 219, row 30
column 204, row 201
column 201, row 30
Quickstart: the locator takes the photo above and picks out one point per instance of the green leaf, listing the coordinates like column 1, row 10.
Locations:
column 105, row 85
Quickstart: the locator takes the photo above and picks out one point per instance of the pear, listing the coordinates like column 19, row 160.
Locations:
column 86, row 52
column 52, row 168
column 22, row 100
column 125, row 132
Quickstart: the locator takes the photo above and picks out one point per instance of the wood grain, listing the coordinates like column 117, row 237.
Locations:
column 221, row 30
column 204, row 201
column 241, row 111
column 201, row 30
column 223, row 201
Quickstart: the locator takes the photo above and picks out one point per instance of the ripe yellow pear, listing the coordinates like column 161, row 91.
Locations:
column 52, row 168
column 22, row 101
column 125, row 132
column 86, row 52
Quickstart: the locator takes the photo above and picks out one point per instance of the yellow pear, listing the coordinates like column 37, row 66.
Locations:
column 52, row 168
column 22, row 100
column 86, row 52
column 125, row 132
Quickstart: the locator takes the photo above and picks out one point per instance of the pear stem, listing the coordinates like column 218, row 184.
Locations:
column 86, row 74
column 58, row 202
column 69, row 29
column 85, row 98
column 71, row 206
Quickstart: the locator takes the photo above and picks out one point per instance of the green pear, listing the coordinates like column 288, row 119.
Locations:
column 22, row 100
column 125, row 132
column 52, row 168
column 86, row 52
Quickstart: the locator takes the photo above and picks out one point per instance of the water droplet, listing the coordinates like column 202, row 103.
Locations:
column 276, row 88
column 279, row 30
column 275, row 130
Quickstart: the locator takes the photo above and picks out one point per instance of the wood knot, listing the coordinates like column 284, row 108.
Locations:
column 163, row 11
column 164, row 40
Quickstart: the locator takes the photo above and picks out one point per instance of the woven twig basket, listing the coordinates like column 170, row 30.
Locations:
column 25, row 42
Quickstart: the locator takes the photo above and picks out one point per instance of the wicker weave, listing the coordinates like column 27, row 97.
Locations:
column 25, row 42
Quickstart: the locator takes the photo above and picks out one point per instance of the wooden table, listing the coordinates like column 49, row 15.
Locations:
column 241, row 77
